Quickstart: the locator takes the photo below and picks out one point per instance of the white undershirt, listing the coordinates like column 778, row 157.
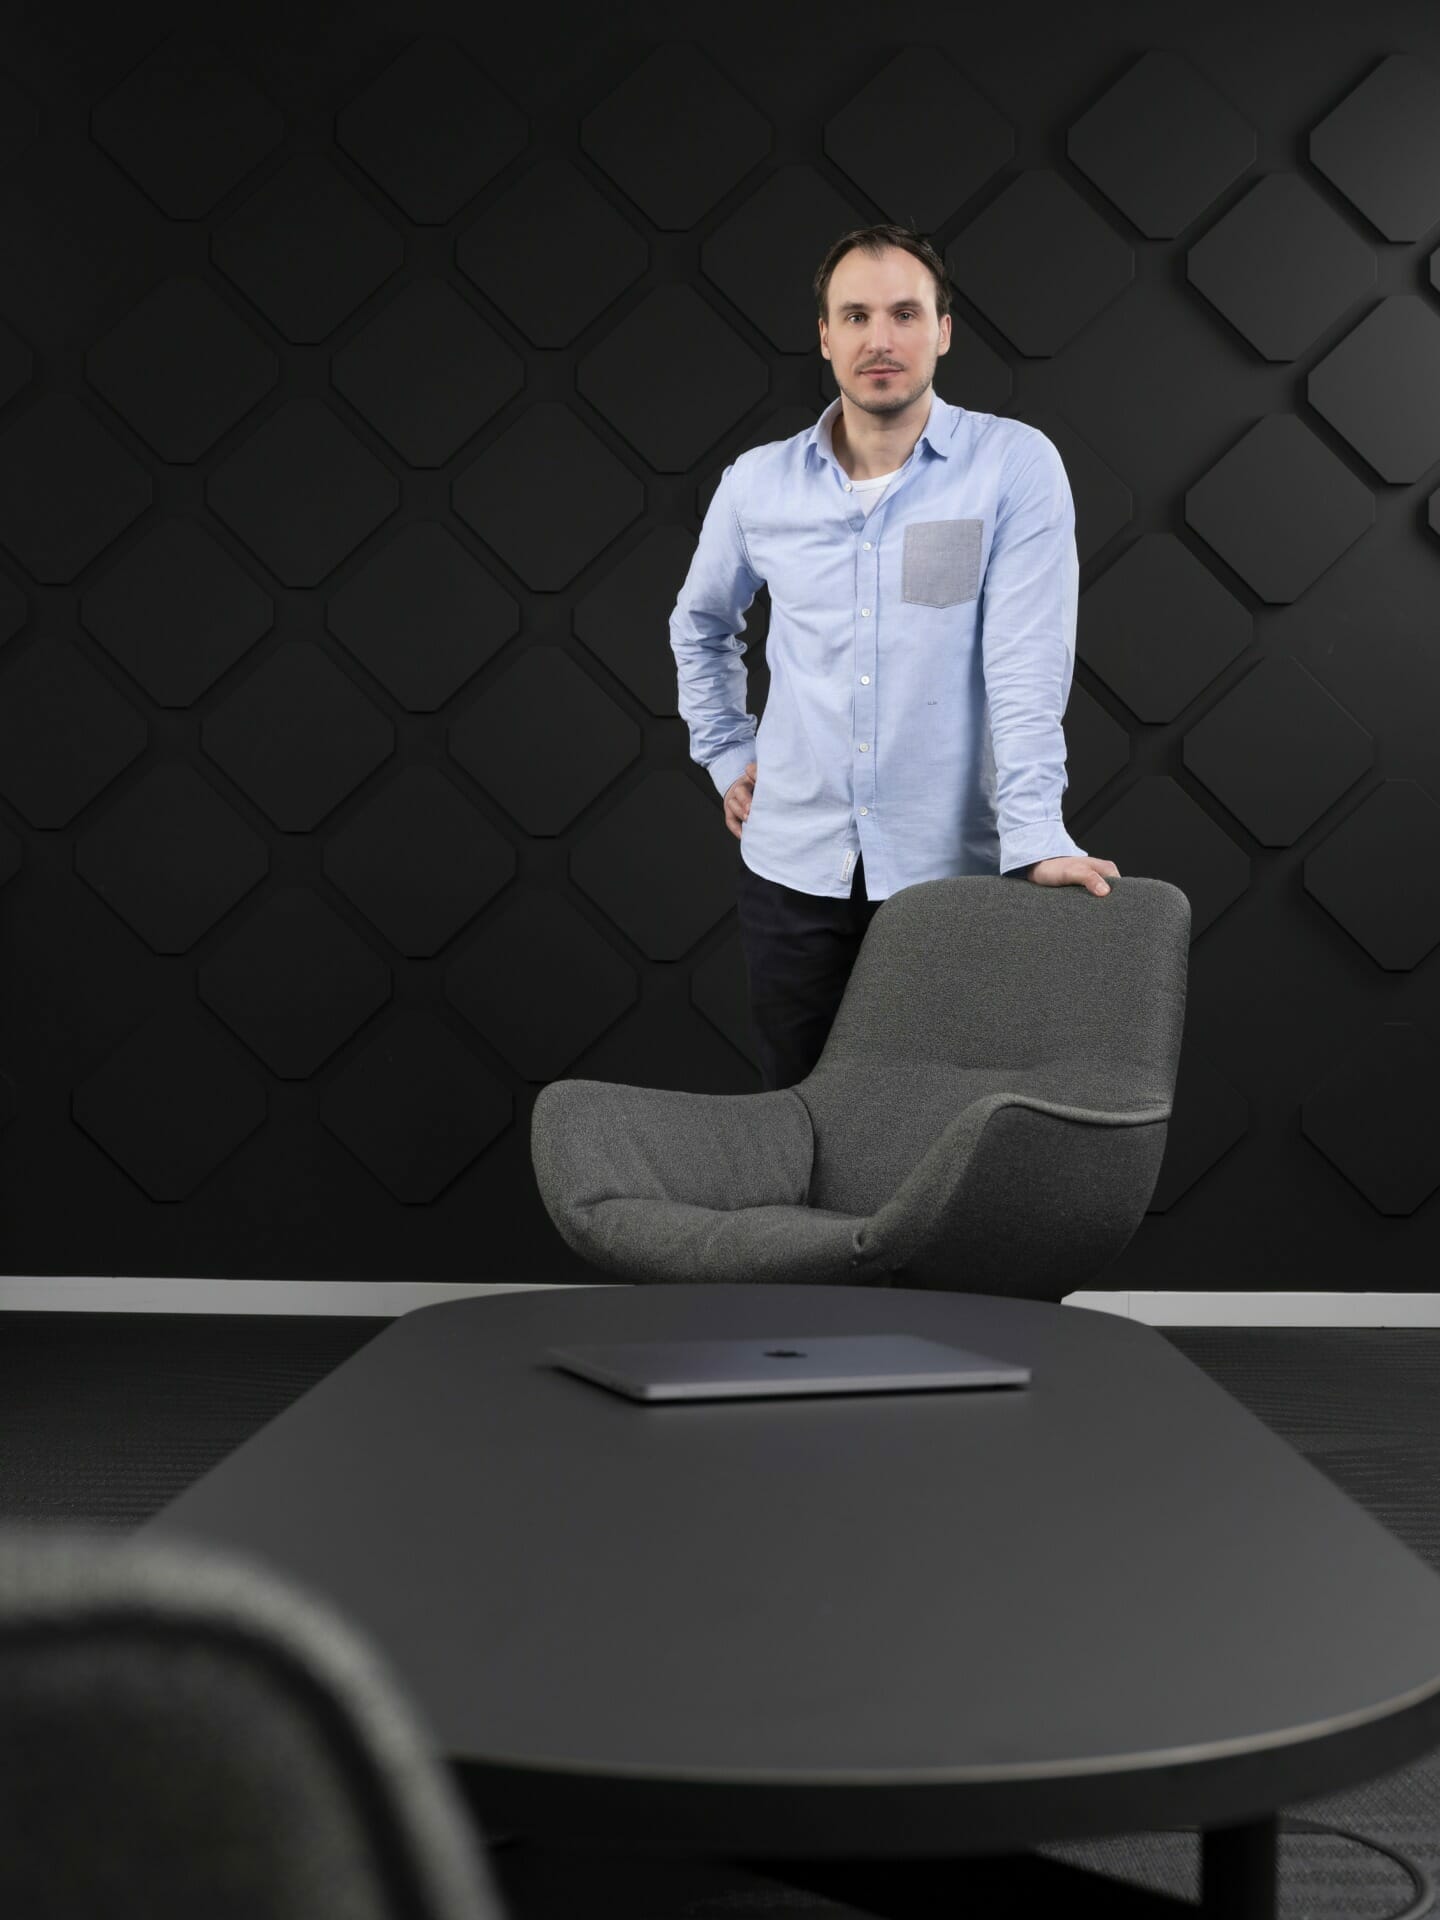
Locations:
column 870, row 490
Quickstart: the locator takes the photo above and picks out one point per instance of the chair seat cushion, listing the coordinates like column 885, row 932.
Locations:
column 663, row 1240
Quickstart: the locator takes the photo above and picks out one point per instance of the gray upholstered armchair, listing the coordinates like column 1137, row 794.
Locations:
column 989, row 1112
column 186, row 1734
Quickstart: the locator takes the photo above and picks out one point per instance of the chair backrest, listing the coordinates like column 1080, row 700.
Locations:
column 975, row 982
column 186, row 1733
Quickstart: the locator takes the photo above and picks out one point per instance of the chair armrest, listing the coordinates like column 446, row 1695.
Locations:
column 1021, row 1195
column 591, row 1140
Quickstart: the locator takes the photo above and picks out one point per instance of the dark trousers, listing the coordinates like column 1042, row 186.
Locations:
column 799, row 949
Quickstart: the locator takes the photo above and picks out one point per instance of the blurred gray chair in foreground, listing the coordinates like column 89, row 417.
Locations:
column 988, row 1115
column 184, row 1736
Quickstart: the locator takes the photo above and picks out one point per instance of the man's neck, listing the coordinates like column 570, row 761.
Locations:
column 883, row 449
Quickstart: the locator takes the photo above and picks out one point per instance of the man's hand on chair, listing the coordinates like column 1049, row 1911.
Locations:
column 1074, row 870
column 1065, row 870
column 737, row 799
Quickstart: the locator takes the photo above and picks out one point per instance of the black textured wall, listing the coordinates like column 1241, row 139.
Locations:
column 364, row 377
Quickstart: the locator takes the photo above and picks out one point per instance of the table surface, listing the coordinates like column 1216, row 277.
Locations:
column 880, row 1624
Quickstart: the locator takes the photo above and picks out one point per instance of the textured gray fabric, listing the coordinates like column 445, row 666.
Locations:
column 989, row 1112
column 185, row 1734
column 594, row 1141
column 940, row 562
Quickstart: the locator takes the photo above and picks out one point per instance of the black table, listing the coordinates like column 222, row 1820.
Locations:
column 890, row 1628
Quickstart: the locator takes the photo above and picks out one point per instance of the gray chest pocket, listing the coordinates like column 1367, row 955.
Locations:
column 940, row 563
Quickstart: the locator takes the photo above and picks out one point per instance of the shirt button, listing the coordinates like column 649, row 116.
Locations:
column 867, row 546
column 864, row 809
column 864, row 609
column 864, row 679
column 847, row 486
column 863, row 747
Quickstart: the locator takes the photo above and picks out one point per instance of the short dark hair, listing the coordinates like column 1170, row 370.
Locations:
column 874, row 240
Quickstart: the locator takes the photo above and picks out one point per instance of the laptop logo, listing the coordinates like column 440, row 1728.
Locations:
column 783, row 1353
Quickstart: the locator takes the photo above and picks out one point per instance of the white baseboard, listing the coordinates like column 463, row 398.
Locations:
column 122, row 1293
column 1266, row 1309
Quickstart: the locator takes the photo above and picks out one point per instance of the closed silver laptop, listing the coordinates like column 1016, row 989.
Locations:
column 784, row 1365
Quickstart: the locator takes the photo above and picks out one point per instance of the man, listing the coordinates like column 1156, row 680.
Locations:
column 923, row 582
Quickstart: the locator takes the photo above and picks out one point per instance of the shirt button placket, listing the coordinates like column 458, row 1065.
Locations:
column 865, row 698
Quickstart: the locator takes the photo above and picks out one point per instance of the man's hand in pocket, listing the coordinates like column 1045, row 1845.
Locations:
column 737, row 800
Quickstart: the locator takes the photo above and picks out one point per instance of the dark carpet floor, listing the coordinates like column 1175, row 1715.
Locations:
column 104, row 1418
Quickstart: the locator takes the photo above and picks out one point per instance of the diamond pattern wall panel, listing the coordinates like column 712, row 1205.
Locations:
column 551, row 253
column 1381, row 387
column 13, row 609
column 1157, row 628
column 1278, row 750
column 1097, row 748
column 1208, row 1117
column 187, row 126
column 661, row 826
column 422, row 616
column 171, row 858
column 1281, row 266
column 170, row 1106
column 508, row 496
column 416, row 1107
column 67, row 488
column 176, row 611
column 541, row 985
column 1381, row 146
column 17, row 363
column 955, row 140
column 20, row 119
column 419, row 861
column 1039, row 262
column 544, row 740
column 182, row 368
column 1373, row 1116
column 969, row 374
column 1104, row 505
column 295, row 983
column 763, row 257
column 65, row 733
column 642, row 378
column 1154, row 827
column 719, row 989
column 1353, row 874
column 675, row 136
column 431, row 130
column 362, row 397
column 297, row 736
column 1117, row 383
column 302, row 493
column 1162, row 144
column 1279, row 508
column 427, row 373
column 307, row 248
column 633, row 601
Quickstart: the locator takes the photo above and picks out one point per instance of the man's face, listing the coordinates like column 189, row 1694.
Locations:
column 882, row 315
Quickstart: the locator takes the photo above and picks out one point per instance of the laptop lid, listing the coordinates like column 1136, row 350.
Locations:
column 787, row 1365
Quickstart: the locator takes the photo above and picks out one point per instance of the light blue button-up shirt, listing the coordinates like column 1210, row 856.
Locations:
column 920, row 657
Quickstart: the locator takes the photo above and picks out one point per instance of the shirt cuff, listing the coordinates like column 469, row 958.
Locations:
column 1045, row 840
column 728, row 765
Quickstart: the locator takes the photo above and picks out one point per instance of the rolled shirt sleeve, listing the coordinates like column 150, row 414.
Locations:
column 705, row 626
column 1029, row 601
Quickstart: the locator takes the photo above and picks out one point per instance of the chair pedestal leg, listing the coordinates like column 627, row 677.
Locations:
column 1238, row 1870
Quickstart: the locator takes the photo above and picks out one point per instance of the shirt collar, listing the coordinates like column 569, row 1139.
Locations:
column 936, row 432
